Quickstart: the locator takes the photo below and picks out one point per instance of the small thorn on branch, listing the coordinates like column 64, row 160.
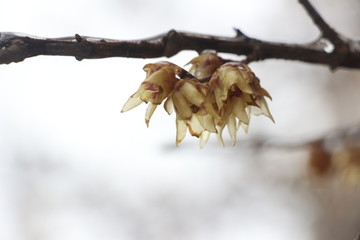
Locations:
column 240, row 34
column 78, row 38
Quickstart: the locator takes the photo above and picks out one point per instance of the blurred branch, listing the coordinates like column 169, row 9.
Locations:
column 358, row 237
column 346, row 53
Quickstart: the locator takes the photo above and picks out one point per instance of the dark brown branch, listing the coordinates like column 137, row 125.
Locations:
column 326, row 30
column 15, row 48
column 341, row 45
column 345, row 53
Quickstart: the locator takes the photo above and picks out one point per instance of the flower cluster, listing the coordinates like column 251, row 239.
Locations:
column 212, row 95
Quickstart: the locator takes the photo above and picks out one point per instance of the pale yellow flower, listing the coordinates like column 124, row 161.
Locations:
column 209, row 97
column 159, row 83
column 237, row 93
column 189, row 99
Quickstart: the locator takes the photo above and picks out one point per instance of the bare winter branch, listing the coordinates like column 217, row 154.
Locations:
column 326, row 30
column 341, row 45
column 16, row 47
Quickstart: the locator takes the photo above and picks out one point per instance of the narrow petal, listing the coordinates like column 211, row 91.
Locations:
column 229, row 76
column 231, row 125
column 191, row 93
column 264, row 108
column 204, row 138
column 169, row 106
column 207, row 122
column 195, row 128
column 243, row 125
column 131, row 103
column 265, row 93
column 219, row 135
column 218, row 98
column 239, row 110
column 149, row 112
column 181, row 105
column 180, row 131
column 211, row 110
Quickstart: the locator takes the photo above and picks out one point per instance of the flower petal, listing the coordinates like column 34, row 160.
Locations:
column 231, row 125
column 205, row 65
column 191, row 93
column 218, row 99
column 239, row 110
column 264, row 108
column 243, row 125
column 180, row 131
column 265, row 93
column 149, row 112
column 207, row 122
column 204, row 138
column 211, row 110
column 195, row 128
column 169, row 106
column 131, row 103
column 219, row 135
column 182, row 108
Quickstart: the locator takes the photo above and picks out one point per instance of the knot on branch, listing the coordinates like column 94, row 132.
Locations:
column 84, row 49
column 172, row 41
column 11, row 49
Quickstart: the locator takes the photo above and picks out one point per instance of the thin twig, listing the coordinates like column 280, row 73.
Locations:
column 341, row 45
column 327, row 31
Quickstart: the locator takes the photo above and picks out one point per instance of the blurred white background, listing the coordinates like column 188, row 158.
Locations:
column 73, row 167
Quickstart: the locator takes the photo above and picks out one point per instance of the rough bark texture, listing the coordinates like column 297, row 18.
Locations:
column 344, row 52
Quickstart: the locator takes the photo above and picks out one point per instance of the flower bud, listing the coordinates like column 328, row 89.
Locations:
column 205, row 65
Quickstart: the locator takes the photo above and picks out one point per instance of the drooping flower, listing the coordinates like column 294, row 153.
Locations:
column 211, row 96
column 236, row 94
column 205, row 65
column 189, row 99
column 159, row 83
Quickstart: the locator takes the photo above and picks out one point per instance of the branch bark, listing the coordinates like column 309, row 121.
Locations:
column 345, row 53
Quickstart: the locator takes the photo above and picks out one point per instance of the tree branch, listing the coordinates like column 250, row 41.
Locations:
column 346, row 53
column 341, row 45
column 326, row 30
